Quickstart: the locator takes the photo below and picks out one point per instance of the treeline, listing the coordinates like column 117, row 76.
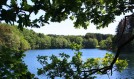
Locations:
column 12, row 38
column 28, row 39
column 124, row 31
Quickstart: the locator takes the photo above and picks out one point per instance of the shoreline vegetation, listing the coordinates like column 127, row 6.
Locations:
column 26, row 39
column 101, row 13
column 21, row 40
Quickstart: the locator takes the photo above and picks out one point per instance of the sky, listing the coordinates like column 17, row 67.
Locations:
column 66, row 28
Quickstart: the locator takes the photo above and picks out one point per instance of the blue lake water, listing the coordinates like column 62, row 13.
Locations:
column 31, row 61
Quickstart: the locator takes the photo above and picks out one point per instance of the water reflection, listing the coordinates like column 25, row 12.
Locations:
column 129, row 72
column 33, row 64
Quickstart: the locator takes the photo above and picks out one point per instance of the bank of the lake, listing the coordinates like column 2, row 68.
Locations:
column 31, row 60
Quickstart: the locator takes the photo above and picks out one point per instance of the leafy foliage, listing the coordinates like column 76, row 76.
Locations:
column 90, row 43
column 14, row 41
column 82, row 12
column 125, row 31
column 74, row 67
column 12, row 38
column 12, row 47
column 28, row 39
column 12, row 66
column 106, row 44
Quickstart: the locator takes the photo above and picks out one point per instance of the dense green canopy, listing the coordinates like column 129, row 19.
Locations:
column 82, row 12
column 16, row 39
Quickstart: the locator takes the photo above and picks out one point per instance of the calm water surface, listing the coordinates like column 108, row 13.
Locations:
column 31, row 60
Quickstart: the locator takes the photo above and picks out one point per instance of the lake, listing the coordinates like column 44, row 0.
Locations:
column 31, row 60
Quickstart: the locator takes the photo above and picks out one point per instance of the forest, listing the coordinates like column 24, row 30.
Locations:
column 15, row 39
column 28, row 39
column 14, row 42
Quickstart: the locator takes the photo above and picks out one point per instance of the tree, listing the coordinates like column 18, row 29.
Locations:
column 97, row 36
column 125, row 32
column 79, row 40
column 65, row 43
column 91, row 43
column 11, row 65
column 106, row 44
column 31, row 37
column 47, row 42
column 99, row 12
column 90, row 35
column 11, row 53
column 109, row 42
column 44, row 42
column 24, row 45
column 12, row 38
column 67, row 67
column 103, row 44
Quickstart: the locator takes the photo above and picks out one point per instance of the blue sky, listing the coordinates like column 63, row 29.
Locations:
column 66, row 28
